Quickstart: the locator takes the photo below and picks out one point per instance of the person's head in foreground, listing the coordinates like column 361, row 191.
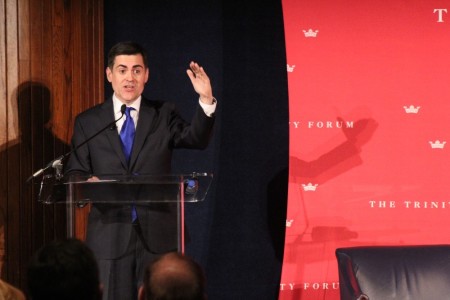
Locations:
column 173, row 276
column 64, row 269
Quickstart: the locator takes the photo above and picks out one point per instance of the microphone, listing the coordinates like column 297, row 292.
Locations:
column 57, row 162
column 52, row 164
column 123, row 108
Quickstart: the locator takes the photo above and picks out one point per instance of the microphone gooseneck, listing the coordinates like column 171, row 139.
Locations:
column 58, row 161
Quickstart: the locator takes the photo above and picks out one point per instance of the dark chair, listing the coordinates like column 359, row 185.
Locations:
column 394, row 272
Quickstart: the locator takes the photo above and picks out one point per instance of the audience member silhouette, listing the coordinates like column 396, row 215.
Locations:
column 7, row 291
column 64, row 269
column 173, row 276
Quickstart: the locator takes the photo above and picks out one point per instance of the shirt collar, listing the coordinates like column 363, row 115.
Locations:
column 118, row 104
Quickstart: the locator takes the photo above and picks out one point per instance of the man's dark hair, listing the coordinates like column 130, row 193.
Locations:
column 126, row 48
column 64, row 269
column 174, row 277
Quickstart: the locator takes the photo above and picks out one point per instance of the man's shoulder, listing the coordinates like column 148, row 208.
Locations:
column 159, row 105
column 154, row 102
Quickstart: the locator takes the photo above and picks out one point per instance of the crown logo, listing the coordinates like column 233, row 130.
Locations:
column 309, row 187
column 310, row 33
column 290, row 68
column 289, row 222
column 411, row 109
column 437, row 144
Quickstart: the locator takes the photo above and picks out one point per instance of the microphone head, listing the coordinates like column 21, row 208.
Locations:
column 123, row 108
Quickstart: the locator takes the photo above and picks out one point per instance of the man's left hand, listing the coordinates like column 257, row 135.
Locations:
column 200, row 82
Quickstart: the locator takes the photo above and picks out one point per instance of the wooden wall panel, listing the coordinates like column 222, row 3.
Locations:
column 3, row 134
column 51, row 68
column 3, row 103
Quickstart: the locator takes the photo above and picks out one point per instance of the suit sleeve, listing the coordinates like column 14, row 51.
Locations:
column 195, row 135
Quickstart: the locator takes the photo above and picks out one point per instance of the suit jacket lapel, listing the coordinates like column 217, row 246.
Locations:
column 147, row 119
column 107, row 114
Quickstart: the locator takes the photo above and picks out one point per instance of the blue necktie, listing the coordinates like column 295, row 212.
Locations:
column 127, row 134
column 127, row 137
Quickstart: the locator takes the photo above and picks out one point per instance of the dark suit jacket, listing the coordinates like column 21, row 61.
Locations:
column 159, row 130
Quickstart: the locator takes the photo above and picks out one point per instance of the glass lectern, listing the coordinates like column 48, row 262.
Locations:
column 77, row 192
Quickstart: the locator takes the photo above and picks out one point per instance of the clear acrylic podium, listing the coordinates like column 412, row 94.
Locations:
column 77, row 191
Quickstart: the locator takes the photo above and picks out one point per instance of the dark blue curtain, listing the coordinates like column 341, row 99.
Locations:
column 237, row 233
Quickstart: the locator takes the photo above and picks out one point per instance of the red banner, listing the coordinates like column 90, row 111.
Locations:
column 369, row 99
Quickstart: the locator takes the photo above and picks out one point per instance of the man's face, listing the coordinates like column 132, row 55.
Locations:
column 128, row 77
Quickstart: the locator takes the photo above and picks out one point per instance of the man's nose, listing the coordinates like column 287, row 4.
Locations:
column 129, row 76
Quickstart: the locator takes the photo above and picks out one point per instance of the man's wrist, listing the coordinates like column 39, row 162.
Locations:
column 209, row 109
column 208, row 100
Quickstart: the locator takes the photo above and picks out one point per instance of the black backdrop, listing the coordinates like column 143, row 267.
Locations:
column 237, row 233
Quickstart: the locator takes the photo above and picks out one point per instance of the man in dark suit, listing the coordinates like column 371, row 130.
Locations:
column 123, row 242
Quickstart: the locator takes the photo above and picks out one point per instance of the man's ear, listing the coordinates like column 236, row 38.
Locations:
column 147, row 74
column 141, row 293
column 108, row 74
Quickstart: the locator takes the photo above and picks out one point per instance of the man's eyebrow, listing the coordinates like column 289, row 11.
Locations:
column 133, row 67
